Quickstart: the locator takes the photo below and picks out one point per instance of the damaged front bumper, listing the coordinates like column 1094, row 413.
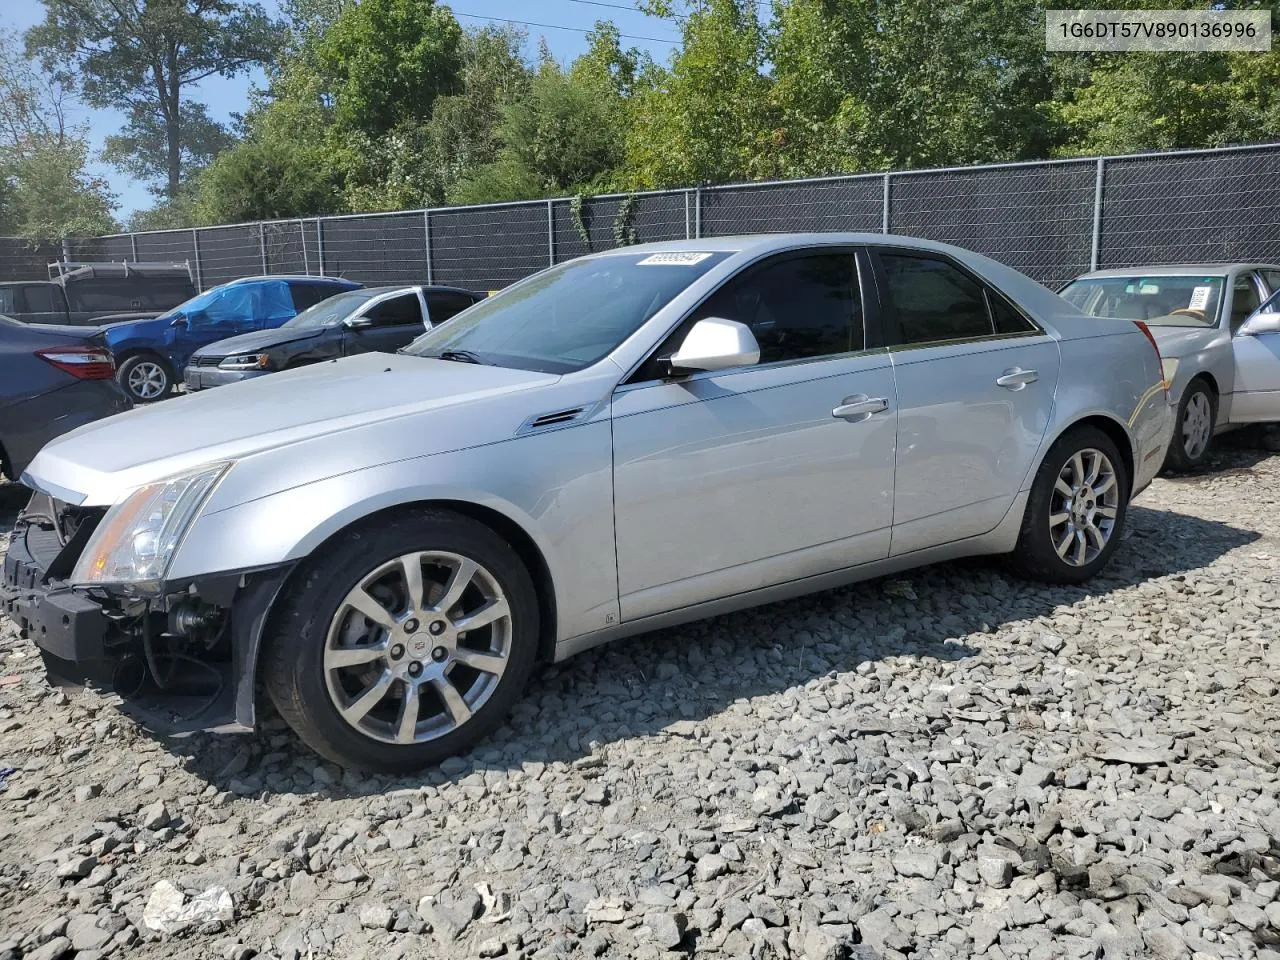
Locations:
column 181, row 662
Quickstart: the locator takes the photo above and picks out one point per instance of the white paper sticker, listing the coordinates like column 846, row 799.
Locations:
column 676, row 259
column 1200, row 298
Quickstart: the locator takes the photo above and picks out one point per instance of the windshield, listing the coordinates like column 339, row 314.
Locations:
column 568, row 317
column 1160, row 301
column 331, row 312
column 201, row 301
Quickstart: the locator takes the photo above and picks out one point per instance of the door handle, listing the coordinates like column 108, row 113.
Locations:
column 1015, row 378
column 859, row 407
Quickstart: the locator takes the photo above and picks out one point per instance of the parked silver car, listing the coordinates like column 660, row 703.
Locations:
column 1221, row 356
column 629, row 440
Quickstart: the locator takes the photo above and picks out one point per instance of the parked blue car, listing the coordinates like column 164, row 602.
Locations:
column 150, row 354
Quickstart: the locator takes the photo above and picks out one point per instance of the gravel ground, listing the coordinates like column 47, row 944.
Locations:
column 948, row 764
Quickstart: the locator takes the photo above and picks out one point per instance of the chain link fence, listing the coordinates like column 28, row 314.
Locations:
column 1051, row 220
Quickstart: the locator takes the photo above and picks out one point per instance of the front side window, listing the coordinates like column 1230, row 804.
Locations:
column 569, row 316
column 934, row 301
column 1244, row 300
column 331, row 312
column 798, row 308
column 396, row 312
column 1159, row 301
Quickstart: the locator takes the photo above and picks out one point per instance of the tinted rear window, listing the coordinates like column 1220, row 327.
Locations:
column 129, row 294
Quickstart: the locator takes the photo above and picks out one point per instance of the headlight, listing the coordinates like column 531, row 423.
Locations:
column 246, row 361
column 1169, row 368
column 137, row 538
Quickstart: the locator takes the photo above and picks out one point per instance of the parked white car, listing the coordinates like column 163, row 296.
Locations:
column 1221, row 348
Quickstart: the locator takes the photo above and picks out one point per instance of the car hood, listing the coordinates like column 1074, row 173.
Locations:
column 98, row 463
column 116, row 332
column 257, row 340
column 1178, row 342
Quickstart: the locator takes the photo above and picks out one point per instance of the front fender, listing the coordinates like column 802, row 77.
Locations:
column 557, row 487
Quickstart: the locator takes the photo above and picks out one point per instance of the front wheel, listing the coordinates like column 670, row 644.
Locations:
column 1193, row 436
column 144, row 378
column 405, row 643
column 1076, row 510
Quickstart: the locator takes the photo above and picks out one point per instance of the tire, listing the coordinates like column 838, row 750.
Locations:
column 309, row 663
column 1037, row 555
column 145, row 378
column 1193, row 430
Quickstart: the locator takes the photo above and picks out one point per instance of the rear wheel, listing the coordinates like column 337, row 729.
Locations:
column 1193, row 436
column 405, row 643
column 1076, row 509
column 145, row 378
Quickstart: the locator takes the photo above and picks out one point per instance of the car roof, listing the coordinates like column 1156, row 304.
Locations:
column 424, row 287
column 294, row 276
column 1179, row 269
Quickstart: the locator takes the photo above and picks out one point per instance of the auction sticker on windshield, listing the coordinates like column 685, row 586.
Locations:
column 678, row 259
column 1200, row 298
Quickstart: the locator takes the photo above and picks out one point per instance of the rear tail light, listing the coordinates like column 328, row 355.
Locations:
column 83, row 363
column 1146, row 332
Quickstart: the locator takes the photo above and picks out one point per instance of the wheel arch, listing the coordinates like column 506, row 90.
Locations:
column 1116, row 431
column 506, row 527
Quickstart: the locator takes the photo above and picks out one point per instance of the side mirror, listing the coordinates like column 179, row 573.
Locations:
column 1260, row 323
column 716, row 344
column 357, row 323
column 178, row 322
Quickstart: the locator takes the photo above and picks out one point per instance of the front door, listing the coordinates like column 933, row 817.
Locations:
column 976, row 380
column 1256, row 393
column 386, row 326
column 729, row 481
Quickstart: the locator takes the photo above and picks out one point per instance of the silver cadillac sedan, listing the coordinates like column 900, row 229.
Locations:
column 1219, row 341
column 388, row 543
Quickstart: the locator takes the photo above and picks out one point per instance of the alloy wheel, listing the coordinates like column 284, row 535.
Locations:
column 1083, row 507
column 1197, row 425
column 147, row 380
column 417, row 647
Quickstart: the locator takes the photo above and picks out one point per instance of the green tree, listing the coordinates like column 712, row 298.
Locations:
column 562, row 137
column 51, row 194
column 383, row 63
column 464, row 126
column 872, row 84
column 46, row 192
column 143, row 57
column 708, row 116
column 264, row 180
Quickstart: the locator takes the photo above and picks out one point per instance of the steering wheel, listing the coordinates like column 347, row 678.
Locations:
column 1189, row 312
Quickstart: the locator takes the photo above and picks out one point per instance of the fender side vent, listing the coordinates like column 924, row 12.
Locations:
column 552, row 419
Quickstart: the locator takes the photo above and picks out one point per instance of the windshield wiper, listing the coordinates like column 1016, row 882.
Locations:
column 461, row 356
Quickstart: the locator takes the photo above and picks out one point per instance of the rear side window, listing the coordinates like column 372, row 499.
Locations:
column 446, row 305
column 6, row 301
column 933, row 301
column 39, row 299
column 309, row 294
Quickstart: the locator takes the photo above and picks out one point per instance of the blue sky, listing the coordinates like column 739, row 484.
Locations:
column 225, row 97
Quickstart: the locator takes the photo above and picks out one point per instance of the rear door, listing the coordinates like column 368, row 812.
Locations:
column 387, row 325
column 976, row 380
column 41, row 303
